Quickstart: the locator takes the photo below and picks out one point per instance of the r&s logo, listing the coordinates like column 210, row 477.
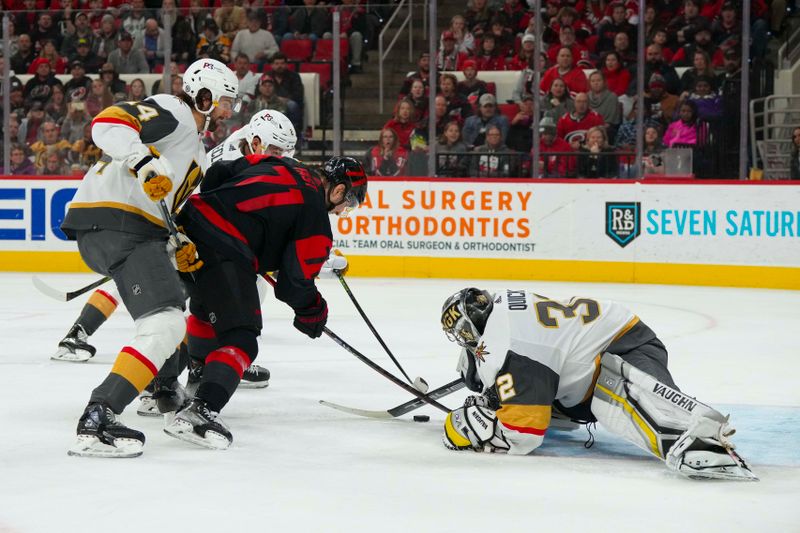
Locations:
column 623, row 221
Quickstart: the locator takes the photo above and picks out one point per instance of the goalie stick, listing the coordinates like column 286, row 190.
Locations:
column 403, row 408
column 62, row 296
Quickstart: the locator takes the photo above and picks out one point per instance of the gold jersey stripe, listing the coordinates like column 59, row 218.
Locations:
column 527, row 416
column 118, row 114
column 626, row 328
column 122, row 207
column 133, row 370
column 102, row 304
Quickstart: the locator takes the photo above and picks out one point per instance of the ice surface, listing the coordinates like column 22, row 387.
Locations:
column 298, row 466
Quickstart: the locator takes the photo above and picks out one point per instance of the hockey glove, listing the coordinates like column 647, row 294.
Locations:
column 475, row 428
column 185, row 253
column 336, row 263
column 311, row 320
column 152, row 172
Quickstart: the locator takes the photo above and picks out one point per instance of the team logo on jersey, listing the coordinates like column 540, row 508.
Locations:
column 136, row 289
column 623, row 221
column 480, row 351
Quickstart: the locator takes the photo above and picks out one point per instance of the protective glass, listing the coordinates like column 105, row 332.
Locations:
column 350, row 203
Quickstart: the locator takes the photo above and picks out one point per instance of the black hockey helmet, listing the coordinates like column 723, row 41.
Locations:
column 347, row 171
column 464, row 316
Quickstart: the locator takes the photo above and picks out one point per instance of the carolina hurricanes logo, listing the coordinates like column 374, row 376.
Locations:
column 480, row 351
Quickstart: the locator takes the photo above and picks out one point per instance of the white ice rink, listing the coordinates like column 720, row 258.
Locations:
column 297, row 466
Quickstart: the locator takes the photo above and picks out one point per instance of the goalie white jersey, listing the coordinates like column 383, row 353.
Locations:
column 110, row 196
column 536, row 351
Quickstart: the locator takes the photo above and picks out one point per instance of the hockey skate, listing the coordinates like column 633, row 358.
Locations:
column 200, row 425
column 74, row 348
column 162, row 397
column 255, row 377
column 101, row 435
column 704, row 452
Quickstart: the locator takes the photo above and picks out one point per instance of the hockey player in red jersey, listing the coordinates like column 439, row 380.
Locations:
column 589, row 360
column 255, row 215
column 117, row 221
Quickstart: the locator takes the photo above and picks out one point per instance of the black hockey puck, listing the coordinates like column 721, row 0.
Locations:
column 421, row 418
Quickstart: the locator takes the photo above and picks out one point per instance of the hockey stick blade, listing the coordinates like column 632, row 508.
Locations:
column 62, row 296
column 401, row 409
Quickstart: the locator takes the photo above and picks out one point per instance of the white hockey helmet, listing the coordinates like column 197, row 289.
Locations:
column 217, row 78
column 272, row 128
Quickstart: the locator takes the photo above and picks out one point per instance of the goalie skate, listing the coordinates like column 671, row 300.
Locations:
column 201, row 426
column 74, row 348
column 101, row 435
column 697, row 455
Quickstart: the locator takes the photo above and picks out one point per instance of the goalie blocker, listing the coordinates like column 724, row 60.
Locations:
column 593, row 361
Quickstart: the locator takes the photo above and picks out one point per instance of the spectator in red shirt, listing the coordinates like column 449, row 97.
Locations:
column 526, row 55
column 403, row 122
column 617, row 76
column 551, row 163
column 580, row 54
column 572, row 76
column 388, row 158
column 488, row 57
column 567, row 17
column 503, row 36
column 572, row 127
column 449, row 58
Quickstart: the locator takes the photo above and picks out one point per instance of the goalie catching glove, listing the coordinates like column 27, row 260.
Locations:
column 336, row 264
column 152, row 172
column 183, row 253
column 474, row 427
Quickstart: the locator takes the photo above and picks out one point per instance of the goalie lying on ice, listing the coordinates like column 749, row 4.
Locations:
column 535, row 358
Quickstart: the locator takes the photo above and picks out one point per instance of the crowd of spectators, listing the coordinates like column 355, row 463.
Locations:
column 76, row 50
column 586, row 97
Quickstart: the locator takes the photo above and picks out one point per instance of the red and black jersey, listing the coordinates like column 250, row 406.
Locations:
column 268, row 213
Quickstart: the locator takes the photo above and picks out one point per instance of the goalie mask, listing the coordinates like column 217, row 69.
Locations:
column 464, row 316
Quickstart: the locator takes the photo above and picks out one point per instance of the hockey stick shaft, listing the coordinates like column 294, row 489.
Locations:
column 401, row 409
column 370, row 363
column 62, row 296
column 370, row 326
column 380, row 370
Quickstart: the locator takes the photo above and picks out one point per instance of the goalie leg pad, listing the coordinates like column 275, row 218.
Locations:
column 644, row 411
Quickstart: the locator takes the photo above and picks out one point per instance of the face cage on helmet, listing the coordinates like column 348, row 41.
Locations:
column 463, row 333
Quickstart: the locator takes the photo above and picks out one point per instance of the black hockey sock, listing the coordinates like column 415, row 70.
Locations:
column 115, row 391
column 219, row 383
column 96, row 311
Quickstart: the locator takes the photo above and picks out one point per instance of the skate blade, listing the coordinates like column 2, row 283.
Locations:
column 730, row 473
column 253, row 384
column 184, row 431
column 79, row 356
column 88, row 446
column 147, row 407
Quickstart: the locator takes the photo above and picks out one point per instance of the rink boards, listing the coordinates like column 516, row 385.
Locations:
column 743, row 234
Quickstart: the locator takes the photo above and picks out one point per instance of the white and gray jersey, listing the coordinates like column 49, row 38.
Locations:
column 536, row 350
column 110, row 196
